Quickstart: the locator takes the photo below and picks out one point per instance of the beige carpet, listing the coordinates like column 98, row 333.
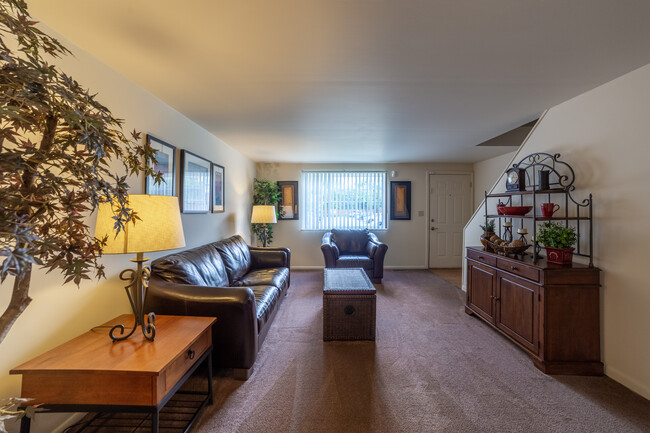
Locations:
column 432, row 369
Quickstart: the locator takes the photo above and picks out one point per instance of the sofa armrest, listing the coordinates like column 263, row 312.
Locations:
column 329, row 249
column 267, row 257
column 378, row 258
column 234, row 334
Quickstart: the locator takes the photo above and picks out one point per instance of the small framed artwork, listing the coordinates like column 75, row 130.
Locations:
column 400, row 200
column 218, row 188
column 289, row 202
column 195, row 183
column 166, row 164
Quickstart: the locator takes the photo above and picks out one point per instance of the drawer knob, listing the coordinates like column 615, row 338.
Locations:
column 514, row 268
column 481, row 258
column 191, row 354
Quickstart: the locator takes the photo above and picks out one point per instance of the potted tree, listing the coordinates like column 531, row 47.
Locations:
column 265, row 192
column 488, row 232
column 558, row 241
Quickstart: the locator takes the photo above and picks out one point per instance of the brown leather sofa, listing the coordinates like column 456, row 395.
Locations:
column 355, row 249
column 242, row 286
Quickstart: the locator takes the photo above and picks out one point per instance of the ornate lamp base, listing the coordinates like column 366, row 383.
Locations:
column 136, row 290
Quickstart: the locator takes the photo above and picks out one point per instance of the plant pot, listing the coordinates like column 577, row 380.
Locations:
column 560, row 256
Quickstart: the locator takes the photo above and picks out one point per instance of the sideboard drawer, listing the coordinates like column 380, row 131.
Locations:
column 518, row 269
column 481, row 257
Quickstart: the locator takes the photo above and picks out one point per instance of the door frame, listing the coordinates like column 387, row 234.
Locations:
column 428, row 201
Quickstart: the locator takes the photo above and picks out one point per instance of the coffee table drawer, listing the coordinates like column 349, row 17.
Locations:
column 185, row 361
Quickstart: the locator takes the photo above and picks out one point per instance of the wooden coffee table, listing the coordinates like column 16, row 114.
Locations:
column 91, row 373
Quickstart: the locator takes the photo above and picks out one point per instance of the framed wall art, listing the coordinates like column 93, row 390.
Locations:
column 195, row 183
column 289, row 202
column 218, row 188
column 400, row 200
column 166, row 164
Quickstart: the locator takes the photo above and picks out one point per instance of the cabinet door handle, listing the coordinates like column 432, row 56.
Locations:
column 496, row 298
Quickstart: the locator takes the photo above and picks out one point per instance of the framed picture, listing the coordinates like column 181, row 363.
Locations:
column 289, row 202
column 195, row 183
column 166, row 164
column 218, row 188
column 400, row 200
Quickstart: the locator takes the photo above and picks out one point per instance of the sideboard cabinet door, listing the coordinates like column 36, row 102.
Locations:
column 481, row 289
column 517, row 312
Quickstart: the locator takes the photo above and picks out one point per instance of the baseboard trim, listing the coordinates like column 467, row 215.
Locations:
column 394, row 268
column 627, row 381
column 402, row 268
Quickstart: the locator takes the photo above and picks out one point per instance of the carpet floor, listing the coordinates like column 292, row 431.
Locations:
column 432, row 368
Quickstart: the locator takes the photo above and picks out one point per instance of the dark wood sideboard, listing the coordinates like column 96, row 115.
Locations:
column 550, row 311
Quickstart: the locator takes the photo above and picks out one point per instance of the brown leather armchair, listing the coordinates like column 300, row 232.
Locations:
column 355, row 249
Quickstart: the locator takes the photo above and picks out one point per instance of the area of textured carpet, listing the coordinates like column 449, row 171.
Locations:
column 432, row 368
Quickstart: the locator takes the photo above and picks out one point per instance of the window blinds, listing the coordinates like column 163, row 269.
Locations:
column 351, row 200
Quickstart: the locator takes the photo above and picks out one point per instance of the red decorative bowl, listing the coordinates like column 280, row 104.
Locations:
column 516, row 210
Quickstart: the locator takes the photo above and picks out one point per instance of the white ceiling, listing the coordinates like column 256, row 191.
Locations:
column 360, row 80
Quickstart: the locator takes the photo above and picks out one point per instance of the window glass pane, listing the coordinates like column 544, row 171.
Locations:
column 352, row 200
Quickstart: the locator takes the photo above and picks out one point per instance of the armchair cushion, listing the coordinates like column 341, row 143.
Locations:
column 350, row 241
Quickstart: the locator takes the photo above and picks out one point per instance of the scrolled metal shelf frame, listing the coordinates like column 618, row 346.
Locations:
column 561, row 181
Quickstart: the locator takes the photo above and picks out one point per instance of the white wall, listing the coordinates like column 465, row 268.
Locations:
column 59, row 312
column 603, row 134
column 486, row 174
column 406, row 240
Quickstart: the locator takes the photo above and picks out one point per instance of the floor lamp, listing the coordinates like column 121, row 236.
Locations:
column 158, row 228
column 264, row 215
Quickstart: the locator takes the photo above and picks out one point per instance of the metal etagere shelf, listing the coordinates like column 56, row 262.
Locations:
column 547, row 176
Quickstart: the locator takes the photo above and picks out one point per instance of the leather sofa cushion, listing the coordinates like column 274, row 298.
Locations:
column 265, row 299
column 351, row 241
column 354, row 262
column 236, row 257
column 265, row 277
column 201, row 266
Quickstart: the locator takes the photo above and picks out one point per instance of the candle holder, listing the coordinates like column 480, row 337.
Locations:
column 507, row 231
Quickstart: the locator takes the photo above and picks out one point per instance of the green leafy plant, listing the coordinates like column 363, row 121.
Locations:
column 489, row 228
column 265, row 192
column 555, row 235
column 58, row 149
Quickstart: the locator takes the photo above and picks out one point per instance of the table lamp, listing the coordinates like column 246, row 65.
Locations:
column 263, row 214
column 159, row 228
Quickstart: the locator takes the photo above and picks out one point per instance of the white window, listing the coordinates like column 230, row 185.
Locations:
column 344, row 200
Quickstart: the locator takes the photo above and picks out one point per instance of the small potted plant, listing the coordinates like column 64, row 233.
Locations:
column 488, row 231
column 558, row 241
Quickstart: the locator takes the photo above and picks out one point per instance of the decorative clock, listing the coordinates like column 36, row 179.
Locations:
column 516, row 179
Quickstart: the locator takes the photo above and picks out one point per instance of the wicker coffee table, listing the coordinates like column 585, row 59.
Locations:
column 349, row 305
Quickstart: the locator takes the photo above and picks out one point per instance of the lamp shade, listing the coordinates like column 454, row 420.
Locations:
column 159, row 227
column 263, row 215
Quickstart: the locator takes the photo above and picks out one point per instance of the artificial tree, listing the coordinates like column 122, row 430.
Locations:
column 265, row 192
column 57, row 145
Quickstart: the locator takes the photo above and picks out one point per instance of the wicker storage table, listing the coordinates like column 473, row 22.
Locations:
column 349, row 305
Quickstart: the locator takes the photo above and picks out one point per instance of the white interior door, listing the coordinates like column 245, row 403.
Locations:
column 450, row 206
